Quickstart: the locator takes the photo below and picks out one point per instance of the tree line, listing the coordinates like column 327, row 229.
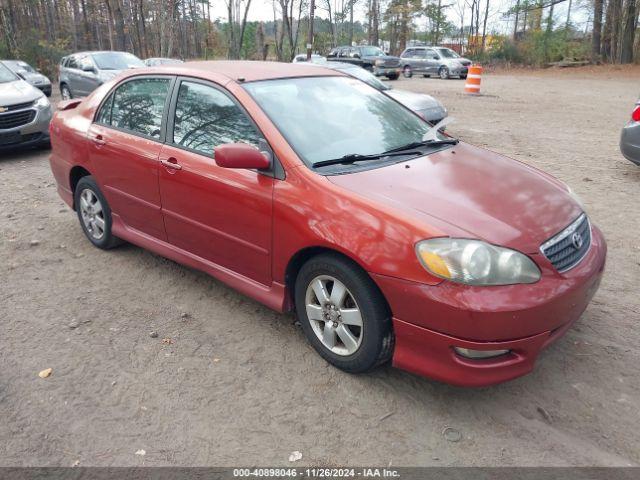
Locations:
column 42, row 31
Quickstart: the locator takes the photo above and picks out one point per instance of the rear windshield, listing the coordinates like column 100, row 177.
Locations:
column 116, row 60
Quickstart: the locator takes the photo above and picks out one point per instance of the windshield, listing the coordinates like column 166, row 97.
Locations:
column 116, row 60
column 17, row 65
column 372, row 52
column 365, row 76
column 448, row 53
column 326, row 118
column 6, row 75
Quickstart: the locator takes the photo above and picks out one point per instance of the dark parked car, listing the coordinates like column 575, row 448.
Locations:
column 429, row 61
column 424, row 105
column 630, row 138
column 29, row 74
column 368, row 57
column 81, row 73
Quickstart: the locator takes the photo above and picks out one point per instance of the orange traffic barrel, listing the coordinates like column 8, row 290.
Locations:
column 473, row 79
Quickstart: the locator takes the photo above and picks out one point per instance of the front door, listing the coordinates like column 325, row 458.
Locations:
column 124, row 147
column 219, row 214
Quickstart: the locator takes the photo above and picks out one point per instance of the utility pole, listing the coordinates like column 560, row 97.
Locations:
column 312, row 9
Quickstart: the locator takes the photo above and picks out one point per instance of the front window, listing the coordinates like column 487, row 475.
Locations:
column 326, row 118
column 116, row 60
column 372, row 52
column 6, row 75
column 206, row 118
column 448, row 53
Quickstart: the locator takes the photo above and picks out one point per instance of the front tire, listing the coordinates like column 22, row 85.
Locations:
column 393, row 77
column 94, row 214
column 343, row 314
column 407, row 72
column 444, row 73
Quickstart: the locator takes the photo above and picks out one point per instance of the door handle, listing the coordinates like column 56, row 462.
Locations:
column 98, row 140
column 171, row 163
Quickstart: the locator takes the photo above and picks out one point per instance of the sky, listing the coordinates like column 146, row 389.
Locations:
column 262, row 10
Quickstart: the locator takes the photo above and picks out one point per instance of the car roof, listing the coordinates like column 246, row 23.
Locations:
column 242, row 71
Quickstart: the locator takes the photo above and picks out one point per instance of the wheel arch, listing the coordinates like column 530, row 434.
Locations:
column 75, row 174
column 302, row 256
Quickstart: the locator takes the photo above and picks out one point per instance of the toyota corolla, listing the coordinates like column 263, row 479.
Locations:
column 311, row 191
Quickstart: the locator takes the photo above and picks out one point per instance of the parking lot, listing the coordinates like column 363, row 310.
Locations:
column 156, row 364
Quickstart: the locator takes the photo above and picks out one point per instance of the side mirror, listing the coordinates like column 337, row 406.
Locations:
column 88, row 68
column 240, row 155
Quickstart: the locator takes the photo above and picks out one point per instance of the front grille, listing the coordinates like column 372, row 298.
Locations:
column 16, row 119
column 390, row 63
column 17, row 106
column 567, row 248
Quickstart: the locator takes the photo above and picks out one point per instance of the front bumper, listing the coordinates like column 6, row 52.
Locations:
column 33, row 133
column 429, row 321
column 386, row 71
column 458, row 71
column 630, row 142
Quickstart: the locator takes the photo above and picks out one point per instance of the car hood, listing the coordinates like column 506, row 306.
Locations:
column 414, row 101
column 471, row 192
column 18, row 91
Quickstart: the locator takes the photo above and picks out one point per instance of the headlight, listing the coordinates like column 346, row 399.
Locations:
column 42, row 103
column 474, row 262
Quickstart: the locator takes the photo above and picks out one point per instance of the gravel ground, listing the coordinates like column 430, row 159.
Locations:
column 228, row 382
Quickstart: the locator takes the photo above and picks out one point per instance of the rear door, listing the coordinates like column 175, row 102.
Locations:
column 125, row 141
column 432, row 62
column 219, row 214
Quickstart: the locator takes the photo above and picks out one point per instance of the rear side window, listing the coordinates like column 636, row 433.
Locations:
column 72, row 62
column 137, row 106
column 205, row 118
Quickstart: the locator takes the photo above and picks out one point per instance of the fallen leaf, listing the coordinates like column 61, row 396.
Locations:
column 45, row 373
column 141, row 452
column 295, row 456
column 167, row 341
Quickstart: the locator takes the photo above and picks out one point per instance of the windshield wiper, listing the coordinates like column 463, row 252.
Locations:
column 424, row 143
column 354, row 157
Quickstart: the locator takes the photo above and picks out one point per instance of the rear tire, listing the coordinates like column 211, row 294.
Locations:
column 393, row 77
column 426, row 76
column 347, row 297
column 65, row 92
column 94, row 214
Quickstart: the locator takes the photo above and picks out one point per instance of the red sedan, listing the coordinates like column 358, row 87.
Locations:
column 311, row 191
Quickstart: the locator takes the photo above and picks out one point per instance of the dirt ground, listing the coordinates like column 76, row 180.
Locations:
column 237, row 384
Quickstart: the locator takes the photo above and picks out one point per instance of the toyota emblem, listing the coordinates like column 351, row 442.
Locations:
column 577, row 240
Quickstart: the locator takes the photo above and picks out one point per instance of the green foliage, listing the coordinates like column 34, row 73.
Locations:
column 536, row 48
column 41, row 54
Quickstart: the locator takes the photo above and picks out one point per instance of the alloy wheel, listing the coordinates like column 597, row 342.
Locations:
column 65, row 93
column 92, row 214
column 406, row 71
column 444, row 73
column 334, row 315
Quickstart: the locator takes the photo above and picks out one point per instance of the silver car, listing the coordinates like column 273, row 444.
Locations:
column 25, row 112
column 424, row 105
column 433, row 61
column 630, row 138
column 81, row 73
column 30, row 74
column 157, row 61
